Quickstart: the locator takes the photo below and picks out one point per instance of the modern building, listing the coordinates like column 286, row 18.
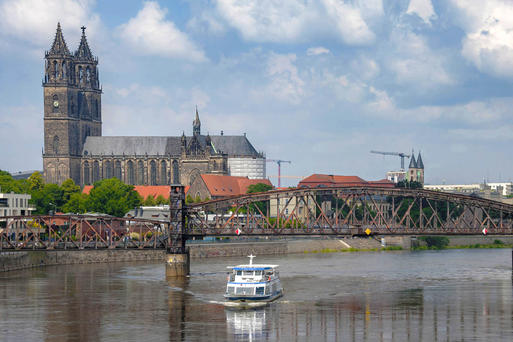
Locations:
column 396, row 176
column 75, row 148
column 12, row 204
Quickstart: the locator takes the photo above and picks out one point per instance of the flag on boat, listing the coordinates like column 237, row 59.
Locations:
column 237, row 231
column 485, row 231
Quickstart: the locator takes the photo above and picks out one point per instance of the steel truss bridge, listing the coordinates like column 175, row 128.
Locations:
column 306, row 212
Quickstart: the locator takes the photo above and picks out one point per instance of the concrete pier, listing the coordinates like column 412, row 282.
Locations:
column 178, row 265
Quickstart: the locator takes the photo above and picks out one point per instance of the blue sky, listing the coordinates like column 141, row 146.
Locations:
column 320, row 83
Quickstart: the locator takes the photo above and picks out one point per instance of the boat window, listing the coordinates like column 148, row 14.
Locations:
column 245, row 290
column 231, row 290
column 258, row 273
column 260, row 290
column 248, row 273
column 239, row 273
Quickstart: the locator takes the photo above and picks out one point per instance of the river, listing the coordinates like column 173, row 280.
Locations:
column 450, row 295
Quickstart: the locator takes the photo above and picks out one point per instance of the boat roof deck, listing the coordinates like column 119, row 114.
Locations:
column 253, row 267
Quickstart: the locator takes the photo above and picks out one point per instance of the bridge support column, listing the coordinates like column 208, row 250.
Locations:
column 177, row 258
column 177, row 265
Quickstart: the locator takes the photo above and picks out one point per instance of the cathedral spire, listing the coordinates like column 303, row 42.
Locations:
column 59, row 45
column 83, row 51
column 196, row 124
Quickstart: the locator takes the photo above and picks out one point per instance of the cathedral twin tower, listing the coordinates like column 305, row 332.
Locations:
column 72, row 107
column 75, row 148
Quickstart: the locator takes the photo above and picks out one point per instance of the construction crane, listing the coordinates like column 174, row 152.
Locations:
column 278, row 161
column 400, row 154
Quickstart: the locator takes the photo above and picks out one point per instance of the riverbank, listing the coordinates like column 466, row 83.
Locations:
column 16, row 260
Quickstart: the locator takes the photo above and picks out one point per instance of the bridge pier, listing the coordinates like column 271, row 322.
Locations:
column 177, row 258
column 178, row 264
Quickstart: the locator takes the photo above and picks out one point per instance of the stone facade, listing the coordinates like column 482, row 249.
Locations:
column 75, row 148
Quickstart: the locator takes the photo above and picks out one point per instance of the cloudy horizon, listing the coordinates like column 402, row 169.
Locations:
column 320, row 83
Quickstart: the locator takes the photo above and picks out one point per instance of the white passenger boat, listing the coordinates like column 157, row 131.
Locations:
column 253, row 283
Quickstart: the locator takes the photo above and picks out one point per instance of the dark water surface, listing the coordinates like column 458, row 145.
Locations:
column 453, row 295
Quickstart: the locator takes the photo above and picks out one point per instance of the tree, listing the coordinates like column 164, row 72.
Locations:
column 69, row 188
column 113, row 197
column 161, row 200
column 261, row 205
column 49, row 198
column 149, row 201
column 259, row 187
column 189, row 199
column 36, row 181
column 77, row 204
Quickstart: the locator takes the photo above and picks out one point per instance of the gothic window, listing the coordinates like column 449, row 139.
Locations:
column 96, row 171
column 108, row 169
column 130, row 171
column 117, row 170
column 64, row 70
column 153, row 173
column 194, row 174
column 72, row 107
column 55, row 70
column 86, row 173
column 176, row 174
column 80, row 75
column 163, row 172
column 215, row 165
column 55, row 145
column 140, row 172
column 88, row 75
column 97, row 109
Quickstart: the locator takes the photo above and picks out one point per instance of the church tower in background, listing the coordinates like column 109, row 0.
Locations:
column 72, row 107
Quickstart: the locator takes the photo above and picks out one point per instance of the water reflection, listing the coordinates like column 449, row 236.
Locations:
column 247, row 325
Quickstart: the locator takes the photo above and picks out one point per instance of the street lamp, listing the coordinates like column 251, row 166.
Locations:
column 54, row 208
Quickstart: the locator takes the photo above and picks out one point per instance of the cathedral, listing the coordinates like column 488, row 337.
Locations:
column 75, row 148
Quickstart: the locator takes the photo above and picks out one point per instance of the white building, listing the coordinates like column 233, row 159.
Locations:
column 463, row 188
column 12, row 204
column 506, row 187
column 396, row 176
column 251, row 167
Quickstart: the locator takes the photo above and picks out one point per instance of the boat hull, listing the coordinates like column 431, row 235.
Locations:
column 265, row 298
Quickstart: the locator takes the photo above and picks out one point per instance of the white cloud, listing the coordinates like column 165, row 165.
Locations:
column 488, row 111
column 150, row 34
column 495, row 134
column 35, row 21
column 315, row 51
column 285, row 81
column 489, row 35
column 349, row 22
column 289, row 21
column 422, row 8
column 414, row 63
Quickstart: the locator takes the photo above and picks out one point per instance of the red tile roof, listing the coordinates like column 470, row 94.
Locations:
column 219, row 185
column 319, row 180
column 144, row 190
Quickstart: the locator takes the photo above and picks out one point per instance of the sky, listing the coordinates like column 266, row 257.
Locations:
column 316, row 82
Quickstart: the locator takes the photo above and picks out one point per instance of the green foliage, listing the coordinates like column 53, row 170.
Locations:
column 259, row 187
column 409, row 184
column 197, row 199
column 189, row 199
column 8, row 184
column 435, row 242
column 36, row 181
column 161, row 200
column 498, row 242
column 149, row 201
column 69, row 188
column 77, row 204
column 113, row 197
column 260, row 206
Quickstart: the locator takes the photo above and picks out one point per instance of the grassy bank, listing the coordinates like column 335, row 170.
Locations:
column 346, row 250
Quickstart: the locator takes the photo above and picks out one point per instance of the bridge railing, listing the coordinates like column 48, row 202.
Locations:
column 81, row 232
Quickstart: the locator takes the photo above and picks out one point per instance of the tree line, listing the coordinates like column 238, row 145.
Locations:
column 108, row 196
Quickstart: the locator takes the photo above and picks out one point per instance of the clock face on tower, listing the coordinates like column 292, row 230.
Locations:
column 56, row 104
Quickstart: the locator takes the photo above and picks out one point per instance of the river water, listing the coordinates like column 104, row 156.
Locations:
column 451, row 295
